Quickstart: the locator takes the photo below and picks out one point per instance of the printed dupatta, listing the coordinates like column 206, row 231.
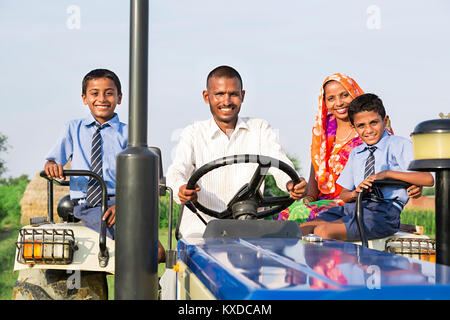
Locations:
column 328, row 162
column 328, row 159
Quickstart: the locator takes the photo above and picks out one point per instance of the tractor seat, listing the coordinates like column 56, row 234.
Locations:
column 65, row 209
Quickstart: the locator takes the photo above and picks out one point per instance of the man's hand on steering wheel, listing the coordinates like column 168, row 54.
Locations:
column 298, row 191
column 188, row 195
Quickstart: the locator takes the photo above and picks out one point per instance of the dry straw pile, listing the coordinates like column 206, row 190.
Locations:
column 34, row 200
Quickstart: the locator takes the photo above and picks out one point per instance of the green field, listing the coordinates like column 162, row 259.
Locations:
column 7, row 253
column 420, row 217
column 11, row 191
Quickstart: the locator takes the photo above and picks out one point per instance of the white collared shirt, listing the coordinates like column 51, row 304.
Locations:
column 203, row 142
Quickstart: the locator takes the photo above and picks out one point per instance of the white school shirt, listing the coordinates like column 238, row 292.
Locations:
column 203, row 142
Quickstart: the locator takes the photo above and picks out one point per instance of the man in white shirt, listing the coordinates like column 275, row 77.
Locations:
column 223, row 135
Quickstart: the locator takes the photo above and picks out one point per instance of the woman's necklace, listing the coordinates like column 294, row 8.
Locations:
column 345, row 139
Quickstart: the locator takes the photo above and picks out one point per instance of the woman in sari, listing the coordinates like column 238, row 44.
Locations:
column 333, row 137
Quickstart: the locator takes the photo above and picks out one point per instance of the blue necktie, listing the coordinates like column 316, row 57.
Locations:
column 94, row 192
column 370, row 163
column 370, row 170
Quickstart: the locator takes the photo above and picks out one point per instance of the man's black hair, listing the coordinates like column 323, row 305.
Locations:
column 224, row 72
column 101, row 73
column 366, row 102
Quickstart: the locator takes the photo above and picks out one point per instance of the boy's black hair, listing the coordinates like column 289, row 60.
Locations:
column 101, row 73
column 366, row 102
column 224, row 72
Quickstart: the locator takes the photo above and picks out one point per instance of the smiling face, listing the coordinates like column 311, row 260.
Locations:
column 370, row 126
column 224, row 96
column 337, row 99
column 102, row 98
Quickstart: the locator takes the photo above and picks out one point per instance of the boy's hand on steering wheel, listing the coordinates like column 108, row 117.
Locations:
column 298, row 191
column 54, row 170
column 366, row 184
column 414, row 191
column 188, row 195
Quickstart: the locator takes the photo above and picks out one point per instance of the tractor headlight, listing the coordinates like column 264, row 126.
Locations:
column 45, row 246
column 431, row 145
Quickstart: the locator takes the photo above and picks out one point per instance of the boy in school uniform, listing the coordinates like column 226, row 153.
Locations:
column 93, row 143
column 381, row 156
column 99, row 135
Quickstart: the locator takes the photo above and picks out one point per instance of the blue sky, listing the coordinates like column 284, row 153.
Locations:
column 283, row 49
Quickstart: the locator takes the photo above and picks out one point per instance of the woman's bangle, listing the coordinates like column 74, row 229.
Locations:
column 310, row 198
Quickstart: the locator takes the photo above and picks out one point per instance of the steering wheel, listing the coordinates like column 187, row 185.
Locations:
column 248, row 199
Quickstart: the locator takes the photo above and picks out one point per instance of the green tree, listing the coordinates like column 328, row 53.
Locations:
column 3, row 147
column 11, row 191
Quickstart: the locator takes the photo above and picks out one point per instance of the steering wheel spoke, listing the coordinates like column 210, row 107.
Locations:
column 257, row 180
